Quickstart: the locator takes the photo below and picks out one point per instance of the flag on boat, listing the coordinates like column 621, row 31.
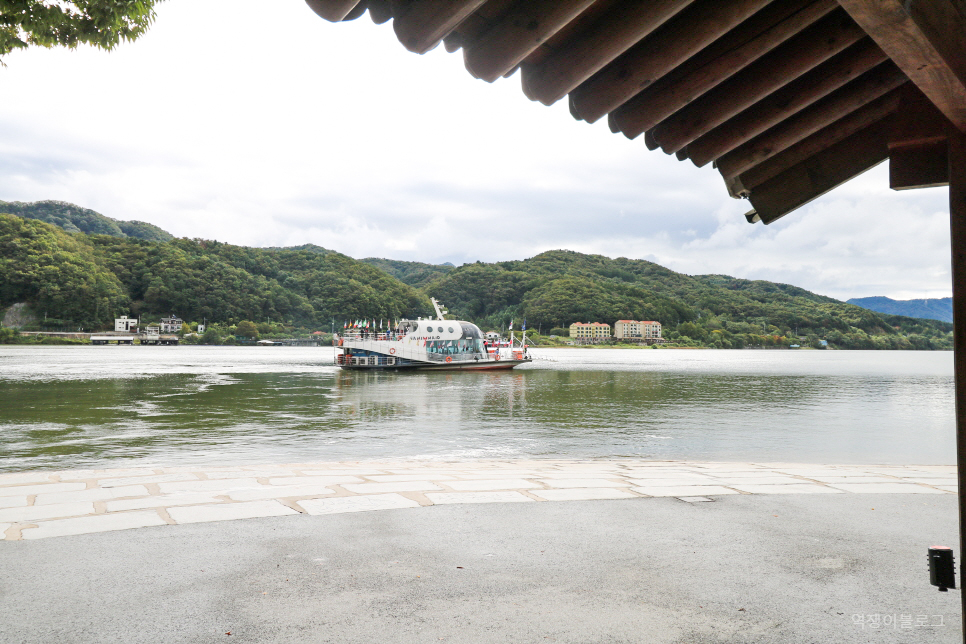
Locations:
column 511, row 326
column 524, row 327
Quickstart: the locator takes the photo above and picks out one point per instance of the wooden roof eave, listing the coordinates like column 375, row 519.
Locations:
column 771, row 91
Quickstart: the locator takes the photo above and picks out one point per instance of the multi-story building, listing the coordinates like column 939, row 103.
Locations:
column 646, row 330
column 172, row 324
column 124, row 324
column 590, row 332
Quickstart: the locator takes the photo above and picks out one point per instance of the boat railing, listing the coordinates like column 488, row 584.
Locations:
column 383, row 337
column 454, row 357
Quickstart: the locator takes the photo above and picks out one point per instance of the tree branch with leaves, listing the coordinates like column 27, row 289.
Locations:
column 68, row 23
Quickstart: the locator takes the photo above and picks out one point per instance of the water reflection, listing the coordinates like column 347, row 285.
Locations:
column 287, row 407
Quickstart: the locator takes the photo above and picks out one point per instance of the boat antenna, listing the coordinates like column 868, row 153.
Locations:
column 440, row 312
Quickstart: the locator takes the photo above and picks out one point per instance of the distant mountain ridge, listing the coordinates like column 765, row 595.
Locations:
column 940, row 308
column 87, row 280
column 75, row 219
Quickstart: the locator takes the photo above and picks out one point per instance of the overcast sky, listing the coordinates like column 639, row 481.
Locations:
column 273, row 127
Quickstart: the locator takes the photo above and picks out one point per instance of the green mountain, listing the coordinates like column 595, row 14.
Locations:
column 87, row 279
column 929, row 309
column 415, row 274
column 90, row 279
column 312, row 248
column 75, row 219
column 556, row 288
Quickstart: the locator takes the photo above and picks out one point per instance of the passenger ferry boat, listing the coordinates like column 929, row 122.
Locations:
column 428, row 344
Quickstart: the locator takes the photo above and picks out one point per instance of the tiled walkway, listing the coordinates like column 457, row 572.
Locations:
column 36, row 505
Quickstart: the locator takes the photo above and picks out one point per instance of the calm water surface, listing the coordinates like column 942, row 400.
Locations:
column 69, row 407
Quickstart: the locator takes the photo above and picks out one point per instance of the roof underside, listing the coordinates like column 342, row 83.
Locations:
column 786, row 98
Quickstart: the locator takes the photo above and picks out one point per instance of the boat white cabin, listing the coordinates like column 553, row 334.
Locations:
column 427, row 344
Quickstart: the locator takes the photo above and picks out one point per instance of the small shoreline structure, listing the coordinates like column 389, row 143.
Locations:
column 437, row 344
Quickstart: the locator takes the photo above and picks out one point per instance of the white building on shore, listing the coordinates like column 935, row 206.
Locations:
column 124, row 324
column 172, row 324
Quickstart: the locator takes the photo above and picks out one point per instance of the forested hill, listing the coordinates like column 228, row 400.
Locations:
column 415, row 274
column 931, row 309
column 75, row 219
column 556, row 288
column 90, row 279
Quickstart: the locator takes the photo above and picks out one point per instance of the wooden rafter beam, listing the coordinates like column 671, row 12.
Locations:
column 794, row 97
column 800, row 54
column 528, row 25
column 675, row 42
column 927, row 40
column 734, row 51
column 579, row 59
column 426, row 22
column 837, row 105
column 332, row 10
column 919, row 166
column 380, row 11
column 918, row 144
column 821, row 172
column 782, row 148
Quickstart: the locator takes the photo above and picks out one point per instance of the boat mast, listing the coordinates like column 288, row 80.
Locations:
column 440, row 312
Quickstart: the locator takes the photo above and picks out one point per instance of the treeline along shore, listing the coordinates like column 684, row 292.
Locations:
column 70, row 268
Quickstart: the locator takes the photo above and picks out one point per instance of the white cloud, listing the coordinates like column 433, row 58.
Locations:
column 272, row 128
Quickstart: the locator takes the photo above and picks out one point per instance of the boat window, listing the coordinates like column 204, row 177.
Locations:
column 450, row 329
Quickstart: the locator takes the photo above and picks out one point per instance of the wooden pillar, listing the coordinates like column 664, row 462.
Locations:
column 957, row 218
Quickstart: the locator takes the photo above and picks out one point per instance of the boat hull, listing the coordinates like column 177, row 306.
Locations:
column 483, row 365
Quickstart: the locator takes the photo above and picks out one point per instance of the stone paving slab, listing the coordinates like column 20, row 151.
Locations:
column 665, row 482
column 162, row 501
column 377, row 488
column 315, row 480
column 25, row 477
column 229, row 511
column 208, row 486
column 141, row 480
column 77, row 475
column 264, row 473
column 357, row 504
column 800, row 488
column 491, row 484
column 440, row 498
column 96, row 523
column 13, row 501
column 40, row 504
column 93, row 494
column 41, row 512
column 887, row 488
column 280, row 492
column 401, row 478
column 583, row 494
column 19, row 490
column 684, row 490
column 582, row 483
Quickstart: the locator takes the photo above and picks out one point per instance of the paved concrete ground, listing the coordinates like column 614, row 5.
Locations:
column 39, row 505
column 789, row 568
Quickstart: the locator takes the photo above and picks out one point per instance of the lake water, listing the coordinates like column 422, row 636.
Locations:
column 108, row 406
